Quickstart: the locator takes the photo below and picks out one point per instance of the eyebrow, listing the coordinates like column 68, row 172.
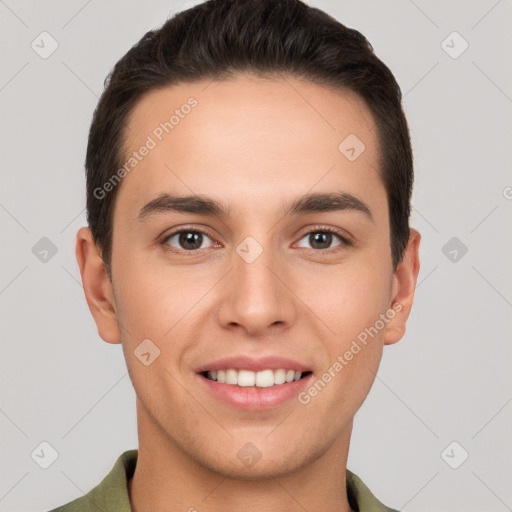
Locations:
column 199, row 204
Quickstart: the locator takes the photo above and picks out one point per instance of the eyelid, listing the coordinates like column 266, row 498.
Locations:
column 320, row 228
column 194, row 227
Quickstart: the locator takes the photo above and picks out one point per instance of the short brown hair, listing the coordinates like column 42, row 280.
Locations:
column 219, row 39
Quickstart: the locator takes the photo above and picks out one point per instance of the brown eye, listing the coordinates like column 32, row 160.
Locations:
column 187, row 240
column 322, row 240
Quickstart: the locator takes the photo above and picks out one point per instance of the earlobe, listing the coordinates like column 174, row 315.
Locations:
column 97, row 286
column 404, row 284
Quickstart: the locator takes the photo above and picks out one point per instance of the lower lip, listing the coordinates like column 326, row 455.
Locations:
column 255, row 398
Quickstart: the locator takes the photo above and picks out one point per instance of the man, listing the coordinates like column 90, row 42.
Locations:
column 249, row 174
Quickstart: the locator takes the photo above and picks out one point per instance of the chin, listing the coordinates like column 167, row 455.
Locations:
column 250, row 463
column 261, row 470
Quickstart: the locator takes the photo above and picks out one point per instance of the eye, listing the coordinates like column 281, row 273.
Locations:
column 187, row 240
column 321, row 239
column 193, row 239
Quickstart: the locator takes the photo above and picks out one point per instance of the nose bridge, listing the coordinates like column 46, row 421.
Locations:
column 252, row 265
column 257, row 298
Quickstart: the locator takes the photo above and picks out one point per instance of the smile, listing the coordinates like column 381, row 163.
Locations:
column 247, row 378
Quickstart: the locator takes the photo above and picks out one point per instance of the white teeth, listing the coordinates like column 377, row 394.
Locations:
column 247, row 378
column 279, row 377
column 265, row 379
column 231, row 377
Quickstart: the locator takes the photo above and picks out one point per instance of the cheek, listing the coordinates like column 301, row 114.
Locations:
column 153, row 295
column 350, row 306
column 347, row 298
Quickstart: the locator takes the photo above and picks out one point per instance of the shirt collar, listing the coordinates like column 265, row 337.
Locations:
column 113, row 489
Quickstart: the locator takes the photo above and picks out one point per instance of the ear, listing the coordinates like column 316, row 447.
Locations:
column 97, row 286
column 404, row 284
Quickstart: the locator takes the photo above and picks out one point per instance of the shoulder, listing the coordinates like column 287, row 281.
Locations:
column 361, row 498
column 111, row 493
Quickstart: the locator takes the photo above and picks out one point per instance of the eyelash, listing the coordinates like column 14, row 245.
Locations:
column 316, row 229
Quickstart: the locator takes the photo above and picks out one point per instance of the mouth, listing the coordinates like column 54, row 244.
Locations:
column 254, row 383
column 259, row 388
column 261, row 379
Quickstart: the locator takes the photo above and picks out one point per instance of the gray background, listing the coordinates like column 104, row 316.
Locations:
column 447, row 380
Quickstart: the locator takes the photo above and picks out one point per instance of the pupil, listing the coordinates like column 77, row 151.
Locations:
column 190, row 238
column 323, row 239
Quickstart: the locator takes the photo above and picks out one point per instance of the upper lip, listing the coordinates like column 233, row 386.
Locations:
column 255, row 364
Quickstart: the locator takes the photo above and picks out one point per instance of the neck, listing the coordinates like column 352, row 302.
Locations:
column 167, row 478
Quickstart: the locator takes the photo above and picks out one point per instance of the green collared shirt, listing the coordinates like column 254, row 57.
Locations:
column 111, row 495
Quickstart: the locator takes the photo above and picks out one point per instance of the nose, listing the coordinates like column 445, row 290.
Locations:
column 258, row 296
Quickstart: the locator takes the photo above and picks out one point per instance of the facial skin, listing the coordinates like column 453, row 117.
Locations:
column 255, row 145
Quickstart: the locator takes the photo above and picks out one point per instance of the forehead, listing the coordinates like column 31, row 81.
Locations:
column 248, row 137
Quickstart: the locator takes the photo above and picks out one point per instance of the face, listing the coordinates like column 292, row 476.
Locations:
column 253, row 284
